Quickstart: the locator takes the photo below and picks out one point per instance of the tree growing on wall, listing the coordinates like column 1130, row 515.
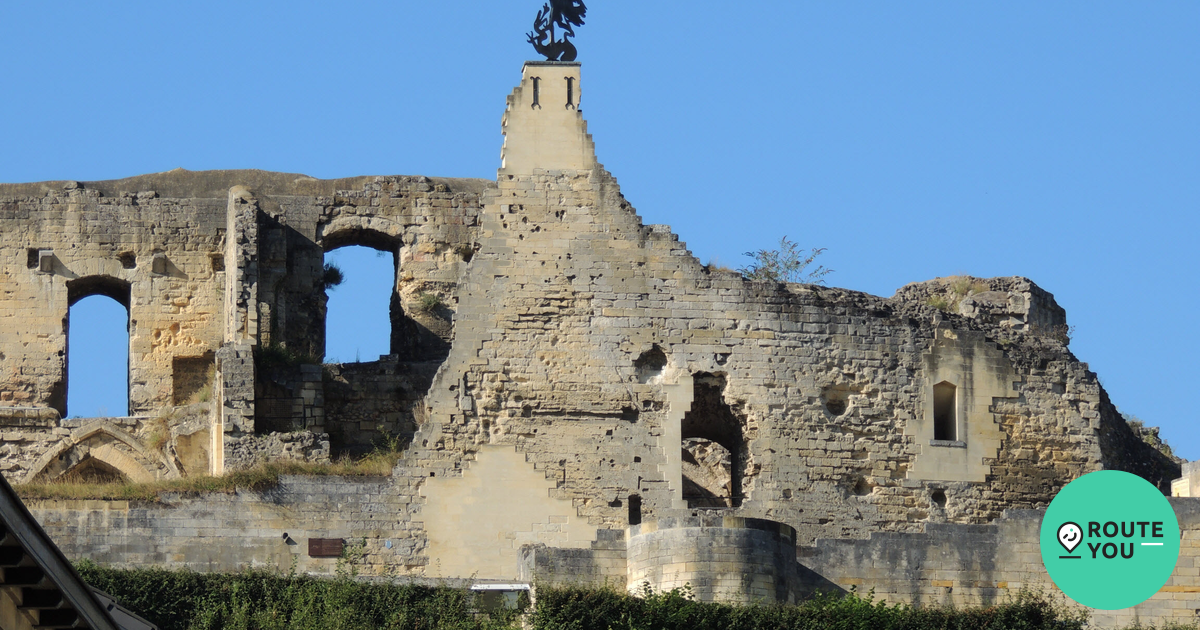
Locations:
column 787, row 263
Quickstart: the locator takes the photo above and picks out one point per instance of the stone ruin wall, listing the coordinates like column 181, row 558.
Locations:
column 157, row 244
column 569, row 290
column 550, row 398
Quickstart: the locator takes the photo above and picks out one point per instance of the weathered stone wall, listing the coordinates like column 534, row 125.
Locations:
column 39, row 446
column 157, row 254
column 230, row 532
column 568, row 290
column 603, row 563
column 971, row 565
column 375, row 404
column 944, row 563
column 721, row 558
column 158, row 245
column 551, row 359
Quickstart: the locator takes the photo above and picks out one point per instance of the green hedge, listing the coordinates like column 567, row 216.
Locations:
column 183, row 600
column 255, row 600
column 609, row 609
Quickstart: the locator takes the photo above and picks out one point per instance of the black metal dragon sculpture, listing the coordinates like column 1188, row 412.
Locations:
column 566, row 14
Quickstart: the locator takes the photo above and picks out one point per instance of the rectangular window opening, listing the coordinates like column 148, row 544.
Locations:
column 945, row 416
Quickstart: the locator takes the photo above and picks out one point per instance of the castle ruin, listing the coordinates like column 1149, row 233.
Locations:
column 586, row 400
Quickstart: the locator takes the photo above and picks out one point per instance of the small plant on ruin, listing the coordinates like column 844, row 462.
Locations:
column 788, row 263
column 962, row 286
column 716, row 266
column 331, row 276
column 352, row 555
column 941, row 303
column 276, row 355
column 159, row 430
column 1150, row 436
column 428, row 302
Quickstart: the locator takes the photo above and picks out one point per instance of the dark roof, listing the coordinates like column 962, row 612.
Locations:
column 38, row 579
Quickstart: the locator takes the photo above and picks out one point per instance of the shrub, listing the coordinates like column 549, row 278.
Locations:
column 184, row 600
column 331, row 276
column 962, row 286
column 277, row 355
column 786, row 264
column 941, row 303
column 427, row 302
column 605, row 609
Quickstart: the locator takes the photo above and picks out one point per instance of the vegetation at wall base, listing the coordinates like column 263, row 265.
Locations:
column 611, row 609
column 378, row 463
column 258, row 600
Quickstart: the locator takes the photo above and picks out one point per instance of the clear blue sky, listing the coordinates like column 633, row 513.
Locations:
column 1055, row 140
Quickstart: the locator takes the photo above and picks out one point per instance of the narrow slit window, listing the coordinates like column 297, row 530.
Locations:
column 635, row 509
column 537, row 91
column 945, row 415
column 570, row 92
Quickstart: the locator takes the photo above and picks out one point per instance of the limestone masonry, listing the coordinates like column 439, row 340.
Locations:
column 587, row 401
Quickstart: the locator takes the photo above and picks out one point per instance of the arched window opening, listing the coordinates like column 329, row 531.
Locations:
column 713, row 451
column 360, row 308
column 97, row 361
column 945, row 415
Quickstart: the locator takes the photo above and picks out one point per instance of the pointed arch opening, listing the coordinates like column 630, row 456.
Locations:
column 98, row 452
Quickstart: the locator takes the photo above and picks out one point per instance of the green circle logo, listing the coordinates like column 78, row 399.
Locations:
column 1110, row 540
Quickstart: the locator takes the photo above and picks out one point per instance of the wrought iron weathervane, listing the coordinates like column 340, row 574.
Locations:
column 566, row 14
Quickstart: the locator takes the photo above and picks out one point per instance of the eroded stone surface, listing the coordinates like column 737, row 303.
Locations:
column 585, row 346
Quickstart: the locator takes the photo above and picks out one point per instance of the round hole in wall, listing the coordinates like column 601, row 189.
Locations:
column 939, row 498
column 837, row 398
column 650, row 364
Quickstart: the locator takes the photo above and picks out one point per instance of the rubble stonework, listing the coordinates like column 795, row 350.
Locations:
column 580, row 366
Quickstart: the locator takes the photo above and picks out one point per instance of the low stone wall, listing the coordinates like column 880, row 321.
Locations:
column 971, row 565
column 220, row 532
column 603, row 564
column 723, row 558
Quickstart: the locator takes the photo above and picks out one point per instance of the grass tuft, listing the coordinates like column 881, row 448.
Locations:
column 378, row 463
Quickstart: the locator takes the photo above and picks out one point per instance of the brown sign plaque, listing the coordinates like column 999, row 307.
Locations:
column 325, row 547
